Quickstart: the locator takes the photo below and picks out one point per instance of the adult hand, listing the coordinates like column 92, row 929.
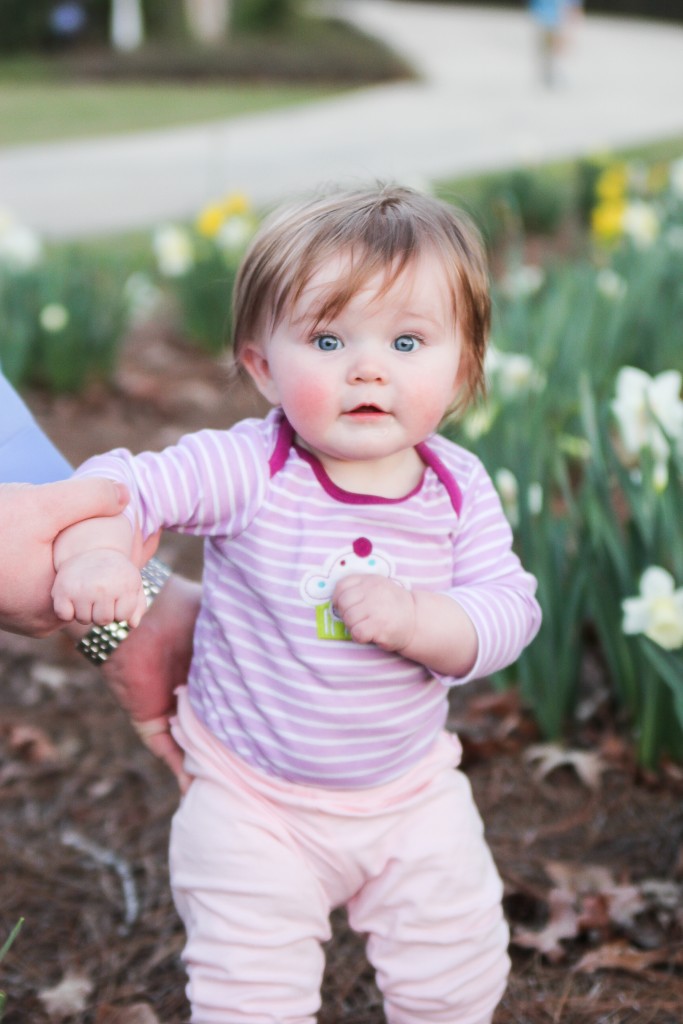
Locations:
column 151, row 663
column 31, row 516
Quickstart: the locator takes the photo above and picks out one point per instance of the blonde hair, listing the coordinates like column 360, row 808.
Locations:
column 382, row 229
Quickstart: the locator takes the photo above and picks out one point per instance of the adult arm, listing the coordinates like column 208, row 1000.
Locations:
column 31, row 517
column 145, row 669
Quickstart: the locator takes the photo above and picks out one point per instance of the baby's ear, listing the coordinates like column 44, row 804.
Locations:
column 257, row 366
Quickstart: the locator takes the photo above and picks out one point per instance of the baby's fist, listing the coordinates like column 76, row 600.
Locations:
column 99, row 587
column 376, row 610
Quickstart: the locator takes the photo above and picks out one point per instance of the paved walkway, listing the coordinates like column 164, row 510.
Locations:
column 477, row 107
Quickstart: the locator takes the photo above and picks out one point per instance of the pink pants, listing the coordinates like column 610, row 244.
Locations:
column 257, row 864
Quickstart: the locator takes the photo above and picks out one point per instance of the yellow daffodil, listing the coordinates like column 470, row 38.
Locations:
column 611, row 185
column 607, row 220
column 213, row 217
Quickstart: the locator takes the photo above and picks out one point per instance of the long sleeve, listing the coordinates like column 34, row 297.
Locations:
column 209, row 484
column 489, row 581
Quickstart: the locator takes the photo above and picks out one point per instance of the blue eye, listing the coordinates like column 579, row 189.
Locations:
column 405, row 343
column 327, row 342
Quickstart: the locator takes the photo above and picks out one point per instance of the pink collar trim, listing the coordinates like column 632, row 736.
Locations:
column 285, row 441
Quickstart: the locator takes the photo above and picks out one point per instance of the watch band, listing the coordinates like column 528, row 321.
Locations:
column 100, row 642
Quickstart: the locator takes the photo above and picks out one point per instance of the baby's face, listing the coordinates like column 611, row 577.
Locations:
column 376, row 378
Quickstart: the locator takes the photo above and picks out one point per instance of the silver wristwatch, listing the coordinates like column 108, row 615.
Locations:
column 101, row 641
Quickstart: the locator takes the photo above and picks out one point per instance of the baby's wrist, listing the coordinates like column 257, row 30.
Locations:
column 409, row 626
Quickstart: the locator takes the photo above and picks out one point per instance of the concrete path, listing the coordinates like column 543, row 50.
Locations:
column 478, row 107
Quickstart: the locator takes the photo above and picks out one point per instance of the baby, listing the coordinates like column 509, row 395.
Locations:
column 357, row 565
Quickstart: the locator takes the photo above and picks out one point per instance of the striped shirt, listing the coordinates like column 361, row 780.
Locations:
column 274, row 674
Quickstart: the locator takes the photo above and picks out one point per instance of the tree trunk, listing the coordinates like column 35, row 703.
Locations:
column 127, row 30
column 208, row 19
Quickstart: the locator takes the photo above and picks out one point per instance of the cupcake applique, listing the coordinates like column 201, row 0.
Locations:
column 317, row 587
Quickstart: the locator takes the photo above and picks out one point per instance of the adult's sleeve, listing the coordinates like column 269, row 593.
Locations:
column 26, row 454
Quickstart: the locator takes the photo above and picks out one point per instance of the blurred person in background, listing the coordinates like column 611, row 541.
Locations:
column 553, row 19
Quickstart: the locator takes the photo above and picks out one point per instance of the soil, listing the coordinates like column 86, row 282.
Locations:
column 588, row 846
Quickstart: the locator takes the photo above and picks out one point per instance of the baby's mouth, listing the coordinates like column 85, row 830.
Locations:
column 366, row 410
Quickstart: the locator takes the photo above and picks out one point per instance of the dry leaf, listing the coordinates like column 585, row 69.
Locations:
column 563, row 923
column 68, row 997
column 620, row 956
column 588, row 765
column 579, row 878
column 32, row 744
column 136, row 1013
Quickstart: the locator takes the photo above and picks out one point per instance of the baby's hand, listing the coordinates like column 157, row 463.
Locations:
column 99, row 586
column 376, row 610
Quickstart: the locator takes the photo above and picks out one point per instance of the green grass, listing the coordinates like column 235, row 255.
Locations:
column 51, row 111
column 94, row 91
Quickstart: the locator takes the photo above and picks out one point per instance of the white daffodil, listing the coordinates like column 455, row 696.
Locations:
column 235, row 233
column 174, row 250
column 479, row 420
column 610, row 284
column 523, row 281
column 658, row 612
column 535, row 499
column 641, row 223
column 649, row 414
column 20, row 247
column 512, row 374
column 508, row 489
column 54, row 317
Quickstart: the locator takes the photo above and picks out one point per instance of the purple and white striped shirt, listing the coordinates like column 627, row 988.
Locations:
column 274, row 675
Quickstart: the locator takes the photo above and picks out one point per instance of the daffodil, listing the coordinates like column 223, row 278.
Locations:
column 523, row 281
column 54, row 317
column 214, row 216
column 235, row 233
column 610, row 284
column 210, row 220
column 479, row 420
column 512, row 374
column 508, row 489
column 658, row 612
column 612, row 183
column 174, row 250
column 649, row 415
column 607, row 220
column 20, row 246
column 641, row 223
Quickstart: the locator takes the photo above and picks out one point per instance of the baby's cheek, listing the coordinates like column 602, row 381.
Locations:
column 428, row 405
column 307, row 403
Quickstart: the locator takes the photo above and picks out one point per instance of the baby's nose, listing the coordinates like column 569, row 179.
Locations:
column 368, row 366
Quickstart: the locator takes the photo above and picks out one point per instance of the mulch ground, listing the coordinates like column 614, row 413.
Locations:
column 589, row 848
